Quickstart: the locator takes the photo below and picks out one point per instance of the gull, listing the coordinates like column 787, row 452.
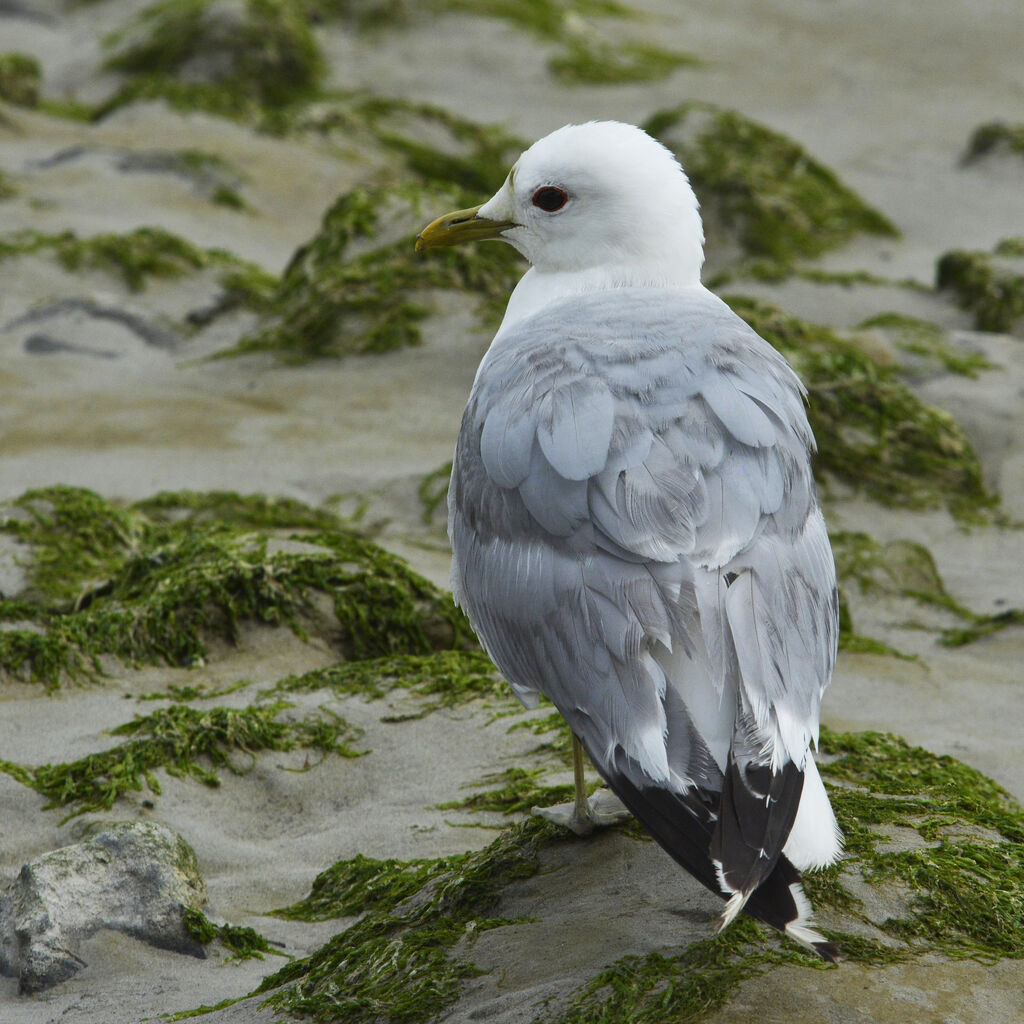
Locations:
column 634, row 524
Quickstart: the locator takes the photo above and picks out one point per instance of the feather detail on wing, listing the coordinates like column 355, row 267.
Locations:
column 635, row 535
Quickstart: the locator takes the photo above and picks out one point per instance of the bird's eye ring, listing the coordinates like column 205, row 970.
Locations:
column 550, row 198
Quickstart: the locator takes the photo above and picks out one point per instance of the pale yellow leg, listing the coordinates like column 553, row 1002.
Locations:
column 583, row 815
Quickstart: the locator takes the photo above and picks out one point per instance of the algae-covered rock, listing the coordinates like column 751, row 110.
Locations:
column 138, row 878
column 988, row 284
column 158, row 585
column 760, row 191
column 19, row 79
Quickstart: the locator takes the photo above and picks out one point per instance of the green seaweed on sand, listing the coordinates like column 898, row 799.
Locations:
column 966, row 888
column 959, row 887
column 243, row 943
column 110, row 580
column 584, row 57
column 20, row 77
column 928, row 341
column 405, row 959
column 186, row 743
column 238, row 58
column 988, row 284
column 444, row 678
column 760, row 188
column 873, row 433
column 589, row 61
column 906, row 569
column 467, row 156
column 994, row 137
column 145, row 253
column 355, row 287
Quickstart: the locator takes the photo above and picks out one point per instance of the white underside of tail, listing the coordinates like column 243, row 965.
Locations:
column 802, row 930
column 815, row 840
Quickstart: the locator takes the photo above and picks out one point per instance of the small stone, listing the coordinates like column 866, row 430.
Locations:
column 138, row 878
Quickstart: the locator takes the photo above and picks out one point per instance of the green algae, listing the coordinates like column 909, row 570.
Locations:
column 583, row 58
column 218, row 56
column 363, row 884
column 961, row 886
column 442, row 679
column 513, row 791
column 966, row 888
column 186, row 743
column 243, row 943
column 873, row 433
column 544, row 18
column 349, row 290
column 597, row 61
column 157, row 588
column 994, row 137
column 762, row 188
column 464, row 155
column 988, row 284
column 20, row 77
column 244, row 511
column 433, row 491
column 927, row 340
column 681, row 988
column 906, row 569
column 966, row 883
column 7, row 189
column 140, row 255
column 398, row 963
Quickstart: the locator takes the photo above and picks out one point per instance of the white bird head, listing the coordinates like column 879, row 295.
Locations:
column 597, row 196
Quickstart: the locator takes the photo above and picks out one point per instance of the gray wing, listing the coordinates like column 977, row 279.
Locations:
column 636, row 536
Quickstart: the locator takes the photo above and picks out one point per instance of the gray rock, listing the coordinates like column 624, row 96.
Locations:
column 138, row 878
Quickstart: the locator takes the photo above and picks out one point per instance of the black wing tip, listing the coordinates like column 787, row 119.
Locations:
column 829, row 951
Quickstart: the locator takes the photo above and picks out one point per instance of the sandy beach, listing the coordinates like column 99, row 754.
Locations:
column 124, row 385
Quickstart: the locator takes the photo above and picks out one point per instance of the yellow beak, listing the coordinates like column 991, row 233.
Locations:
column 460, row 226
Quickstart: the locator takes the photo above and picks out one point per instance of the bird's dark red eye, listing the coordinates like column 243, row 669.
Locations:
column 549, row 198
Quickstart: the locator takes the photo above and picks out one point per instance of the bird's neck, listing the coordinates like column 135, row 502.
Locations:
column 538, row 289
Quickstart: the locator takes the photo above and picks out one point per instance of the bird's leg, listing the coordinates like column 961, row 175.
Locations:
column 583, row 815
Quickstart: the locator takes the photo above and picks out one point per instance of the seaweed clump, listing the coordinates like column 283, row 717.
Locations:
column 19, row 79
column 873, row 433
column 761, row 188
column 959, row 877
column 398, row 963
column 214, row 55
column 359, row 286
column 906, row 569
column 926, row 340
column 115, row 581
column 584, row 57
column 965, row 885
column 243, row 943
column 966, row 882
column 139, row 256
column 988, row 284
column 992, row 138
column 441, row 679
column 186, row 743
